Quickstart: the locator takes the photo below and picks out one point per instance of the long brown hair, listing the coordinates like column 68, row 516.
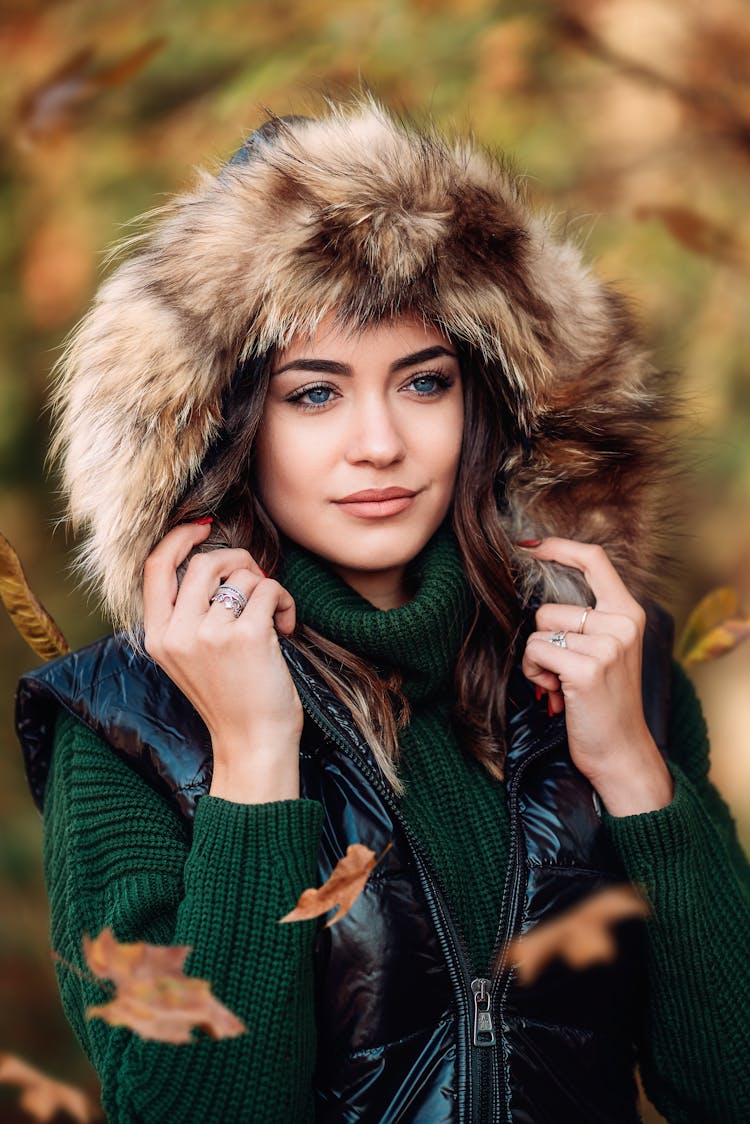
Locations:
column 224, row 488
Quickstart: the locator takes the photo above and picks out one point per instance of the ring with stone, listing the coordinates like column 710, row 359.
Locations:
column 558, row 639
column 230, row 597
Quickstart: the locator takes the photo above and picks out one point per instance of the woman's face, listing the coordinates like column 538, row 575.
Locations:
column 350, row 416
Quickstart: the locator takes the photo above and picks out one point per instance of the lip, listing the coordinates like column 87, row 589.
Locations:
column 377, row 495
column 377, row 509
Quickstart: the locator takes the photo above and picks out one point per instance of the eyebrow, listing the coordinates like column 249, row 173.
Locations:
column 331, row 367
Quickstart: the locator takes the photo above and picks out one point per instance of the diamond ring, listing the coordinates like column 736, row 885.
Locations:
column 230, row 597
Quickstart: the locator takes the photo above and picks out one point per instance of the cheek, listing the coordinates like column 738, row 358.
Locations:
column 287, row 462
column 447, row 450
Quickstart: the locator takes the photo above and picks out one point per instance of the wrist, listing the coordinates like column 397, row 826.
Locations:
column 638, row 783
column 255, row 774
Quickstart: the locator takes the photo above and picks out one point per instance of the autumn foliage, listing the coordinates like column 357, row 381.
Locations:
column 42, row 1097
column 631, row 113
column 581, row 935
column 154, row 996
column 342, row 888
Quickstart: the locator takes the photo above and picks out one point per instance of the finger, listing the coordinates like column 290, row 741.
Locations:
column 567, row 618
column 592, row 560
column 606, row 649
column 160, row 586
column 567, row 664
column 204, row 575
column 241, row 579
column 555, row 702
column 270, row 600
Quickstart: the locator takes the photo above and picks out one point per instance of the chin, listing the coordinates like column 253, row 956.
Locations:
column 370, row 547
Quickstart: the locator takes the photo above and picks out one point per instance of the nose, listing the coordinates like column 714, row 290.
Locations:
column 374, row 434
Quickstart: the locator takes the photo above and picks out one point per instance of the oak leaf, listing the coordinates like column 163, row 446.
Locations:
column 154, row 996
column 28, row 615
column 581, row 935
column 342, row 888
column 713, row 628
column 42, row 1097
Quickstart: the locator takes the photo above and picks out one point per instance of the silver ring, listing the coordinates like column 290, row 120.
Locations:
column 558, row 639
column 230, row 597
column 586, row 612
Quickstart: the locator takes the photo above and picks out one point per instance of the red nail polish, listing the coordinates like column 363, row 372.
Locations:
column 529, row 542
column 263, row 572
column 204, row 520
column 538, row 691
column 550, row 711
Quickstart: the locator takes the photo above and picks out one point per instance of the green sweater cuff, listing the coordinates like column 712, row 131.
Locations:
column 649, row 840
column 286, row 833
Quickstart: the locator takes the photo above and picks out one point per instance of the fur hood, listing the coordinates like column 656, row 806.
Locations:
column 364, row 213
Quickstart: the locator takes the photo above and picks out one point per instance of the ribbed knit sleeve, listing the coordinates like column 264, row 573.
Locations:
column 696, row 1044
column 115, row 854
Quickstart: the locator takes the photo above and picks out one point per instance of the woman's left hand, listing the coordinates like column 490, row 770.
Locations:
column 597, row 679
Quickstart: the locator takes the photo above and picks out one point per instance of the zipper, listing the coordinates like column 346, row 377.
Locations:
column 483, row 1032
column 475, row 996
column 454, row 948
column 500, row 969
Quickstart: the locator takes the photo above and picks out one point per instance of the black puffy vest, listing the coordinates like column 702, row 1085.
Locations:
column 408, row 1030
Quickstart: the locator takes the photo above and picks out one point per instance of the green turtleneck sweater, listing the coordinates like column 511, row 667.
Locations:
column 450, row 800
column 116, row 854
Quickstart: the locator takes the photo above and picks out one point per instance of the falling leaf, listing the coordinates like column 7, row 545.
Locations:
column 54, row 107
column 154, row 997
column 698, row 233
column 30, row 617
column 713, row 628
column 42, row 1097
column 342, row 888
column 581, row 936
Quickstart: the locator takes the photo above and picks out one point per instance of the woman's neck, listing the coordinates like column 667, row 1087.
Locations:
column 420, row 637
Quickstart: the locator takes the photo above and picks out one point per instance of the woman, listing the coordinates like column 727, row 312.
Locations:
column 421, row 442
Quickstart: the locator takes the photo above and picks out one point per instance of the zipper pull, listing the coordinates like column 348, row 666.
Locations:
column 483, row 1030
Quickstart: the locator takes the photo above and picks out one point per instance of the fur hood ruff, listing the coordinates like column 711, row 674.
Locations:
column 364, row 213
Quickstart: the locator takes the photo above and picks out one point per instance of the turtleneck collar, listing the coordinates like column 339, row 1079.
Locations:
column 421, row 638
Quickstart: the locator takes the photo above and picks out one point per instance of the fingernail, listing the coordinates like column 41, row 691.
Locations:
column 263, row 572
column 538, row 691
column 550, row 711
column 529, row 542
column 204, row 520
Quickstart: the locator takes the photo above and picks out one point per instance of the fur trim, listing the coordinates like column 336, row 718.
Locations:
column 365, row 214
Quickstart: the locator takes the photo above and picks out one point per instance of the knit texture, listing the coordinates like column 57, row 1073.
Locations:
column 115, row 854
column 687, row 858
column 455, row 808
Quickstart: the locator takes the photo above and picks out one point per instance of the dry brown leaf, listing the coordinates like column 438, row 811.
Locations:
column 42, row 1097
column 581, row 936
column 342, row 888
column 54, row 107
column 30, row 617
column 154, row 996
column 698, row 233
column 713, row 628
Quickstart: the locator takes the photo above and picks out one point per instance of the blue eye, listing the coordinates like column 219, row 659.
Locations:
column 317, row 395
column 425, row 383
column 430, row 385
column 312, row 397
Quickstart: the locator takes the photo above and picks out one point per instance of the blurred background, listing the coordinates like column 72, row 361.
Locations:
column 630, row 120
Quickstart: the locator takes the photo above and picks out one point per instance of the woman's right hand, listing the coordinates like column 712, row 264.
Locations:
column 231, row 669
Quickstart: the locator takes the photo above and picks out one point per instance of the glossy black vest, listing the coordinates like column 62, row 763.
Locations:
column 395, row 1007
